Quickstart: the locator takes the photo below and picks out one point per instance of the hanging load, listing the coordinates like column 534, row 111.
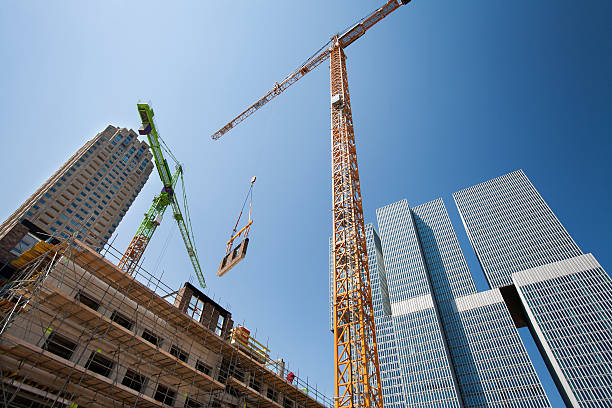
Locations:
column 237, row 254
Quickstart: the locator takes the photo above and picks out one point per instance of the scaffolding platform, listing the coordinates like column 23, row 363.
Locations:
column 127, row 340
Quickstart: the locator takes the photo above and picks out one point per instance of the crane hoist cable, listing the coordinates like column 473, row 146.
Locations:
column 235, row 255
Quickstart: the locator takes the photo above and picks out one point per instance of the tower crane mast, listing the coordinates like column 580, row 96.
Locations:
column 356, row 367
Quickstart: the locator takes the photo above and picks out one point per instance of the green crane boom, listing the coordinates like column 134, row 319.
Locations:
column 167, row 197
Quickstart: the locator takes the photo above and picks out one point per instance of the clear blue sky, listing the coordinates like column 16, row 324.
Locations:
column 445, row 94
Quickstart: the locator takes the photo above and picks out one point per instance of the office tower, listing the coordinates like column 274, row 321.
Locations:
column 511, row 227
column 443, row 343
column 87, row 197
column 390, row 375
column 566, row 297
column 569, row 304
column 486, row 377
column 426, row 373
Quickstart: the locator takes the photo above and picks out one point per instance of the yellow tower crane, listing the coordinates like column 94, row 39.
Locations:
column 356, row 368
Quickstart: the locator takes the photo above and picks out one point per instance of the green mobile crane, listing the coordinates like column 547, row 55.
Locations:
column 167, row 197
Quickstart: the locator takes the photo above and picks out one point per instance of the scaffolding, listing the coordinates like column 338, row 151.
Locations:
column 77, row 331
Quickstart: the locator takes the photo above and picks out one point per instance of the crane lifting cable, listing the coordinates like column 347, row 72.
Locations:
column 237, row 254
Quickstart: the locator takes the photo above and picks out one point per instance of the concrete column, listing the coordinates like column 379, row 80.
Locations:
column 183, row 298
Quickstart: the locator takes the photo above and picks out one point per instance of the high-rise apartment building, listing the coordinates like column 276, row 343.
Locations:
column 87, row 197
column 444, row 344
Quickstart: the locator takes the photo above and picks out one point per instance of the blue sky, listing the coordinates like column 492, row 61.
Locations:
column 444, row 95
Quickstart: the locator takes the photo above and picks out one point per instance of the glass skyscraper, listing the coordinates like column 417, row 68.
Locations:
column 570, row 306
column 443, row 344
column 426, row 373
column 566, row 296
column 511, row 227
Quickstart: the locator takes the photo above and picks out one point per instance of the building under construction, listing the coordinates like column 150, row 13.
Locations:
column 77, row 331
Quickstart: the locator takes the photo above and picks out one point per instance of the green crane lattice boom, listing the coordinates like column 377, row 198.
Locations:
column 167, row 197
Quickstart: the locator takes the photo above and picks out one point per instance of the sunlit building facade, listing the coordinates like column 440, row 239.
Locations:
column 511, row 227
column 437, row 345
column 570, row 306
column 565, row 296
column 442, row 343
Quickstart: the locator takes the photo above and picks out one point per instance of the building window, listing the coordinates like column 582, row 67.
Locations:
column 178, row 353
column 238, row 374
column 134, row 380
column 254, row 383
column 203, row 367
column 288, row 403
column 151, row 338
column 165, row 395
column 99, row 364
column 190, row 403
column 122, row 320
column 219, row 328
column 272, row 394
column 60, row 345
column 195, row 308
column 87, row 300
column 27, row 242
